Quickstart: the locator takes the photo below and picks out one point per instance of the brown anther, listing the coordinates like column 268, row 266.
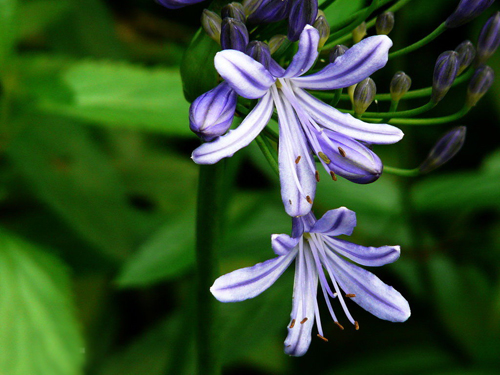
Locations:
column 334, row 177
column 292, row 324
column 342, row 152
column 303, row 321
column 290, row 201
column 298, row 159
column 350, row 295
column 317, row 176
column 356, row 325
column 322, row 338
column 309, row 200
column 324, row 157
column 340, row 325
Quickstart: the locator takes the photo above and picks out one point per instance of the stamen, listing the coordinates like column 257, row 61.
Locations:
column 340, row 325
column 317, row 176
column 292, row 324
column 322, row 338
column 309, row 200
column 298, row 159
column 290, row 201
column 324, row 157
column 303, row 321
column 356, row 325
column 342, row 152
column 334, row 177
column 350, row 295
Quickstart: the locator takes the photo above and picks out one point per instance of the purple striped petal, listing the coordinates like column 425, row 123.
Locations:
column 283, row 243
column 306, row 54
column 246, row 76
column 372, row 294
column 366, row 256
column 302, row 224
column 249, row 282
column 226, row 145
column 359, row 62
column 346, row 124
column 336, row 222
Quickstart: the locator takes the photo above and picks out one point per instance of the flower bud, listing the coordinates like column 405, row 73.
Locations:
column 176, row 4
column 211, row 23
column 337, row 51
column 234, row 10
column 359, row 33
column 479, row 84
column 211, row 114
column 234, row 35
column 384, row 23
column 260, row 52
column 466, row 53
column 445, row 72
column 400, row 84
column 302, row 13
column 363, row 96
column 444, row 149
column 276, row 42
column 266, row 11
column 466, row 11
column 321, row 24
column 489, row 39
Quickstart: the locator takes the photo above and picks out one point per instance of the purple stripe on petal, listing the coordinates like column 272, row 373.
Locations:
column 336, row 222
column 372, row 294
column 246, row 76
column 249, row 282
column 366, row 256
column 283, row 243
column 359, row 62
column 306, row 54
column 346, row 124
column 226, row 145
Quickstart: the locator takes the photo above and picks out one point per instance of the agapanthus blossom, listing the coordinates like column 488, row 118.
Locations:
column 315, row 249
column 306, row 124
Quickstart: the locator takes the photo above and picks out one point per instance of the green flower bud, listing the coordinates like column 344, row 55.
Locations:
column 400, row 84
column 363, row 96
column 384, row 23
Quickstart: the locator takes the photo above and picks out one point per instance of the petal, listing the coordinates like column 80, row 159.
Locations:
column 366, row 256
column 246, row 76
column 303, row 305
column 357, row 63
column 346, row 124
column 306, row 54
column 302, row 224
column 226, row 145
column 249, row 282
column 372, row 294
column 283, row 243
column 336, row 222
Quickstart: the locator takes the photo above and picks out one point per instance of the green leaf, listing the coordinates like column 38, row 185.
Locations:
column 8, row 30
column 39, row 334
column 36, row 15
column 197, row 68
column 340, row 10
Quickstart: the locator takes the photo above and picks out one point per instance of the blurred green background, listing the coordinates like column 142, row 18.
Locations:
column 97, row 202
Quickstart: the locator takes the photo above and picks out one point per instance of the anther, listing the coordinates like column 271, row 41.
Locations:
column 350, row 295
column 303, row 321
column 292, row 324
column 317, row 176
column 290, row 201
column 340, row 325
column 342, row 152
column 298, row 159
column 322, row 338
column 334, row 177
column 324, row 157
column 309, row 200
column 356, row 325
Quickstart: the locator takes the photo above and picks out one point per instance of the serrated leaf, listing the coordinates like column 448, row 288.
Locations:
column 39, row 334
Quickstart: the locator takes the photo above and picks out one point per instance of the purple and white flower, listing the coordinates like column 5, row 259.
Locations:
column 306, row 124
column 315, row 249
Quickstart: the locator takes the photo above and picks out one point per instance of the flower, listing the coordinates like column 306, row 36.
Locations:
column 306, row 124
column 315, row 249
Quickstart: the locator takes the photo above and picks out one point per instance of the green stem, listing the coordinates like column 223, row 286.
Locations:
column 326, row 4
column 408, row 113
column 431, row 121
column 422, row 42
column 401, row 172
column 267, row 150
column 208, row 236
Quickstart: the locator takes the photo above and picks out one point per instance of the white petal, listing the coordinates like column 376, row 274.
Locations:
column 306, row 54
